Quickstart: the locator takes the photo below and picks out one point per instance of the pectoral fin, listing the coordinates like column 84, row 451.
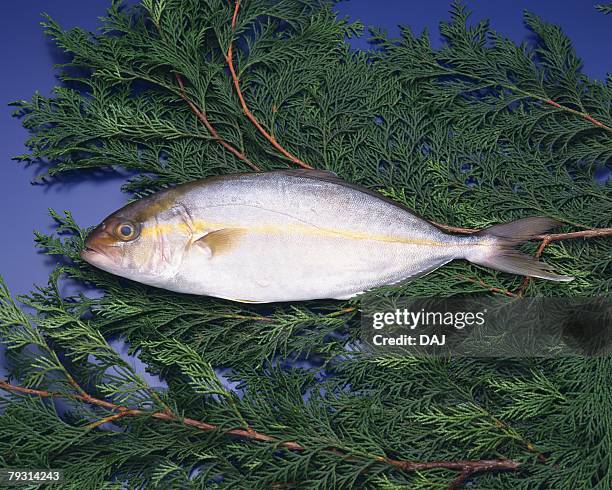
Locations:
column 219, row 241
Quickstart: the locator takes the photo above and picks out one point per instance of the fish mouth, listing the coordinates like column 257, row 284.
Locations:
column 97, row 243
column 99, row 259
column 94, row 255
column 88, row 253
column 89, row 248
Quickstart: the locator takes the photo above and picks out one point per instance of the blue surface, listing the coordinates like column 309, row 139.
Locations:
column 28, row 58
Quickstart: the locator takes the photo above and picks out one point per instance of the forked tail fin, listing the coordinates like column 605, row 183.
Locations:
column 502, row 255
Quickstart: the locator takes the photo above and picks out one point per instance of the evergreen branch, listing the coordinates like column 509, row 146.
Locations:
column 201, row 115
column 465, row 467
column 499, row 422
column 526, row 93
column 155, row 10
column 245, row 107
column 35, row 336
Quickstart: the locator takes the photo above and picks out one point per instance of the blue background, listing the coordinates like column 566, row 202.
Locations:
column 28, row 57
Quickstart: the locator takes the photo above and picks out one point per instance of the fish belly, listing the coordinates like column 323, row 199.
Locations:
column 269, row 268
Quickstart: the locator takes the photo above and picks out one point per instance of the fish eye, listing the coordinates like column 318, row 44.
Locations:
column 126, row 231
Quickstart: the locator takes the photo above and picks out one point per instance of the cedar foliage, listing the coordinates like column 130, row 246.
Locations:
column 465, row 135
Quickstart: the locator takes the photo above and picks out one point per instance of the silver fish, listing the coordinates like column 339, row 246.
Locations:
column 290, row 236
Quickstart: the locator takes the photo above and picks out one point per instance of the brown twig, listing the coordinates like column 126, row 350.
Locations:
column 551, row 237
column 245, row 108
column 110, row 418
column 583, row 115
column 343, row 311
column 521, row 289
column 465, row 467
column 455, row 229
column 201, row 115
column 592, row 233
column 457, row 482
column 74, row 384
column 493, row 289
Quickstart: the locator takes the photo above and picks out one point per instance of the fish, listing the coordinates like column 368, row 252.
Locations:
column 292, row 235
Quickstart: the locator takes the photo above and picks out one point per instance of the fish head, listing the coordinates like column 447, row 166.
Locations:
column 144, row 241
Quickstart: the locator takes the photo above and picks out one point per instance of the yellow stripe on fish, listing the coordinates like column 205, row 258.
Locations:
column 201, row 227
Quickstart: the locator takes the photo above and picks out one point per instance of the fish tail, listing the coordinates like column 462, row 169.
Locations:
column 499, row 253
